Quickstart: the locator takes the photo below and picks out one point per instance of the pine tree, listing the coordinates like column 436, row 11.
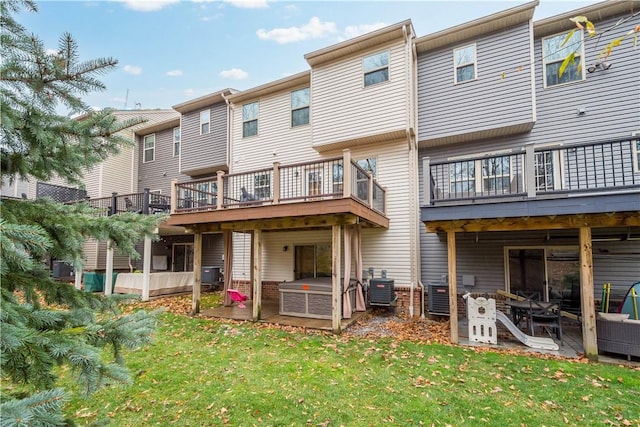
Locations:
column 45, row 323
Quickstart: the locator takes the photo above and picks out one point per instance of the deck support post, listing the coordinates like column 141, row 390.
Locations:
column 257, row 274
column 197, row 272
column 108, row 278
column 220, row 189
column 588, row 310
column 346, row 173
column 453, row 286
column 336, row 294
column 146, row 268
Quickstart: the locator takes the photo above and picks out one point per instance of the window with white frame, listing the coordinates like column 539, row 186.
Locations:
column 464, row 63
column 362, row 178
column 338, row 178
column 250, row 119
column 262, row 186
column 636, row 156
column 176, row 142
column 496, row 174
column 376, row 68
column 544, row 171
column 205, row 121
column 149, row 148
column 300, row 107
column 314, row 182
column 462, row 177
column 554, row 51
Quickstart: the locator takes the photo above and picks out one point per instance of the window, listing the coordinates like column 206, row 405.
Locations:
column 362, row 179
column 636, row 156
column 300, row 107
column 176, row 142
column 496, row 175
column 206, row 193
column 554, row 52
column 250, row 119
column 262, row 186
column 376, row 68
column 465, row 63
column 314, row 182
column 544, row 171
column 338, row 177
column 205, row 120
column 462, row 177
column 149, row 148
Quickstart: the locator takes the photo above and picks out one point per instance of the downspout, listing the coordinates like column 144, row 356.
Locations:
column 416, row 227
column 229, row 126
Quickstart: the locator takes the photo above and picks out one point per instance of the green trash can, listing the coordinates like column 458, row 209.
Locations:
column 93, row 282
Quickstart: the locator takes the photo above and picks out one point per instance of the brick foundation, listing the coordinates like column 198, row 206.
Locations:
column 404, row 300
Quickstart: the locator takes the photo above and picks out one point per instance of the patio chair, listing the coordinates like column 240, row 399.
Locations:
column 547, row 315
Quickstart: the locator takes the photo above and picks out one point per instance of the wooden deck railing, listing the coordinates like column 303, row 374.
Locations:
column 535, row 172
column 300, row 182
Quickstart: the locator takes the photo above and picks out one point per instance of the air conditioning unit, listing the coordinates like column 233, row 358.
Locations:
column 61, row 269
column 382, row 292
column 438, row 298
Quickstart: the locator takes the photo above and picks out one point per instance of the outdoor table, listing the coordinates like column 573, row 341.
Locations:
column 519, row 309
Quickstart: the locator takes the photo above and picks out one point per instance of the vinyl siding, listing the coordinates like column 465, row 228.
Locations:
column 490, row 101
column 206, row 152
column 482, row 255
column 276, row 139
column 157, row 174
column 343, row 109
column 611, row 97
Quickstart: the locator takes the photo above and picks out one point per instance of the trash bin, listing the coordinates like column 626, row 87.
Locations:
column 93, row 282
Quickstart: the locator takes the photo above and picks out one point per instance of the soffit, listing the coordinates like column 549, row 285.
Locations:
column 473, row 29
column 286, row 83
column 363, row 42
column 596, row 12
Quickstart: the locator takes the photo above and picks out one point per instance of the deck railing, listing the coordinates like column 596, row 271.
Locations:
column 300, row 182
column 144, row 203
column 535, row 171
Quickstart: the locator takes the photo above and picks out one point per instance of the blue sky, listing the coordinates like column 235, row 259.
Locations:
column 172, row 51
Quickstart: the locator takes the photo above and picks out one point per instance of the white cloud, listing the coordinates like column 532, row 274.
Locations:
column 147, row 5
column 352, row 31
column 312, row 30
column 132, row 69
column 248, row 4
column 174, row 73
column 234, row 74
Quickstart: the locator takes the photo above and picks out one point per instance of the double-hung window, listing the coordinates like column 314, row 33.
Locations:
column 464, row 63
column 636, row 156
column 262, row 186
column 176, row 142
column 368, row 166
column 376, row 68
column 554, row 51
column 496, row 174
column 149, row 148
column 250, row 119
column 205, row 121
column 300, row 107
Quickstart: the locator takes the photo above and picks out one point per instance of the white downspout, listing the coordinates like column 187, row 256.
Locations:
column 229, row 127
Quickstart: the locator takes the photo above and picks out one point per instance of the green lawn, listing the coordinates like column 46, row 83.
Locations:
column 203, row 372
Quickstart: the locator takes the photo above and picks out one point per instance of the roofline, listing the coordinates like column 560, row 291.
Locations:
column 203, row 101
column 468, row 30
column 595, row 12
column 272, row 87
column 158, row 126
column 362, row 42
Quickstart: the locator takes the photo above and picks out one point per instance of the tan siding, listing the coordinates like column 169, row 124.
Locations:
column 275, row 135
column 342, row 108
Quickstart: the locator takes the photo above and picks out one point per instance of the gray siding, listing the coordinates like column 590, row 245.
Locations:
column 204, row 154
column 157, row 175
column 446, row 109
column 482, row 255
column 610, row 97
